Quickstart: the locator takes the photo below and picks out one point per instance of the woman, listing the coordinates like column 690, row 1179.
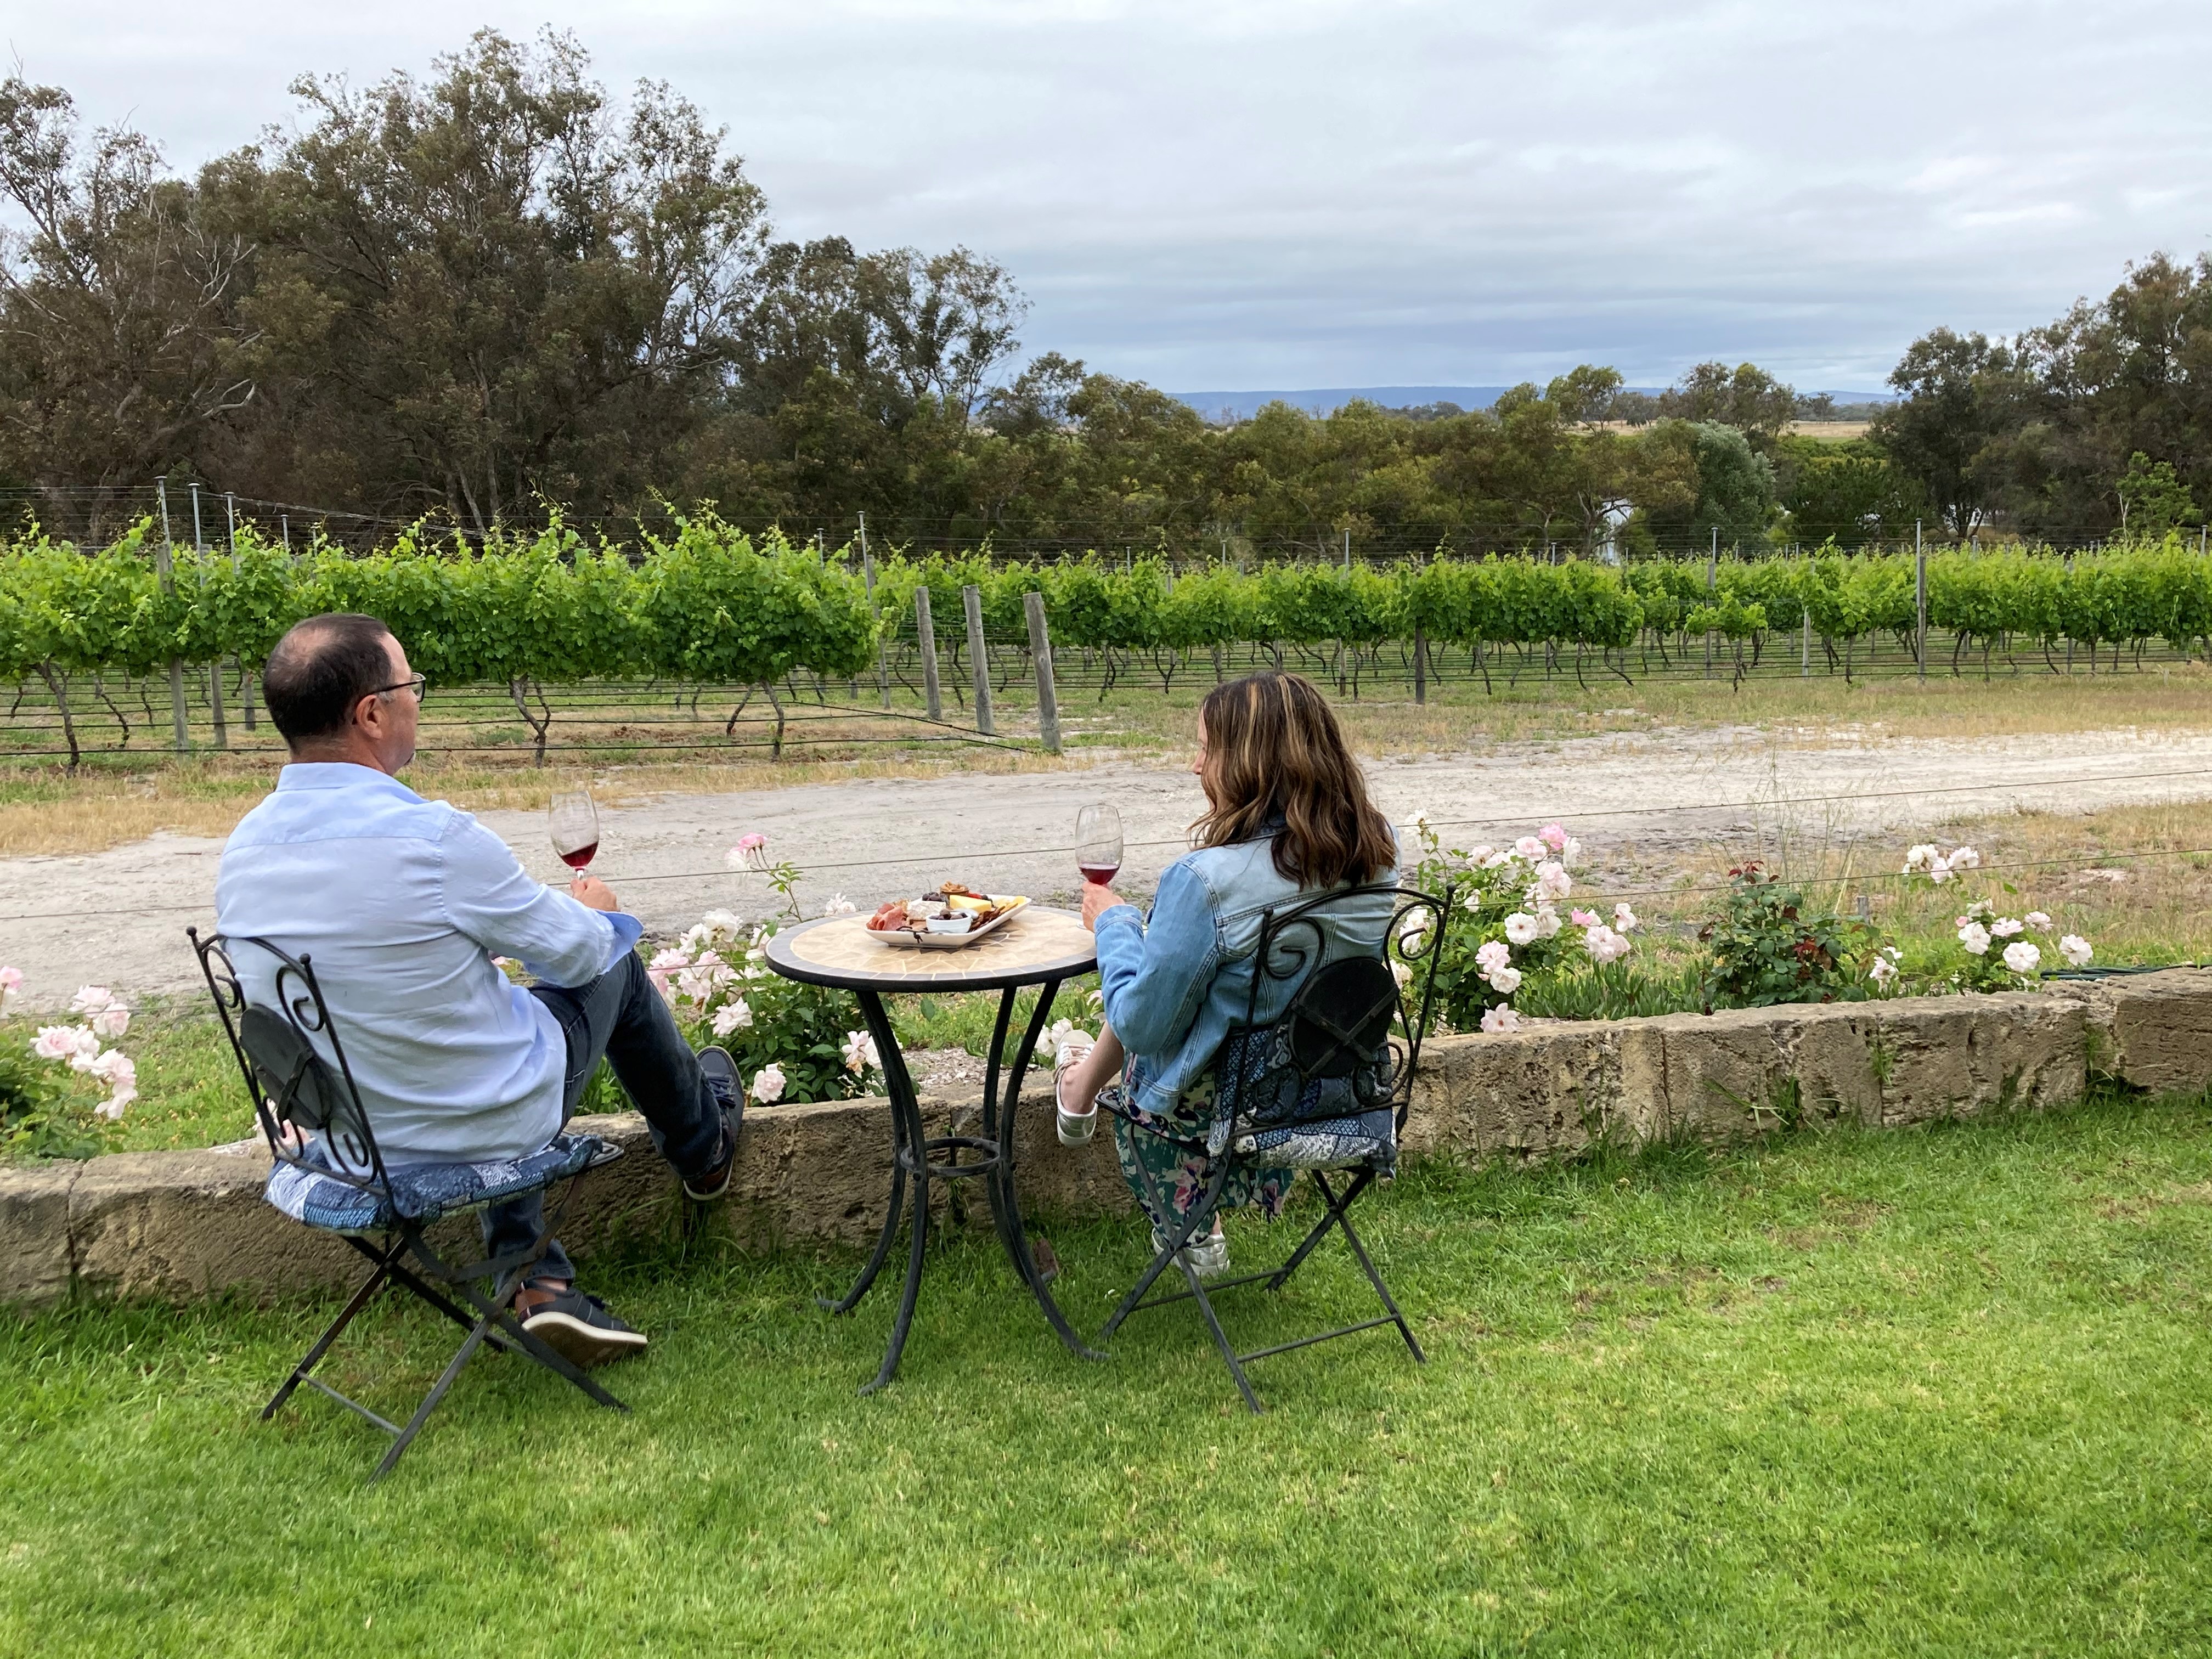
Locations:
column 1287, row 814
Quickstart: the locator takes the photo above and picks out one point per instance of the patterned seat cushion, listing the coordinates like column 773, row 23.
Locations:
column 309, row 1193
column 1333, row 1123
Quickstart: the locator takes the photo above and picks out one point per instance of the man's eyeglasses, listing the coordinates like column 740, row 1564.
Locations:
column 419, row 685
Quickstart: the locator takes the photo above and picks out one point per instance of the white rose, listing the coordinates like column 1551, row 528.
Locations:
column 1521, row 929
column 1505, row 981
column 2075, row 950
column 1500, row 1019
column 2022, row 958
column 768, row 1085
column 2005, row 927
column 1604, row 944
column 1976, row 939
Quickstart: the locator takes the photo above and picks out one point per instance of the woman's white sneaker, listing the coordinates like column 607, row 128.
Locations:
column 1207, row 1255
column 1075, row 1128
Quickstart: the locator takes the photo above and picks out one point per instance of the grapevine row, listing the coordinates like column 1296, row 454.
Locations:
column 710, row 606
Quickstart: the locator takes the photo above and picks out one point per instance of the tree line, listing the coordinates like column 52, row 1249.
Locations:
column 502, row 288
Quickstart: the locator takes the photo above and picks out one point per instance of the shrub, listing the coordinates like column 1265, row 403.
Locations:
column 1767, row 949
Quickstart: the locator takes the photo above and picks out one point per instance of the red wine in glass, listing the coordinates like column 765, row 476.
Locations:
column 574, row 823
column 1098, row 843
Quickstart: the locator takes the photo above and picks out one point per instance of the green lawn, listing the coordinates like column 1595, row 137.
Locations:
column 1935, row 1392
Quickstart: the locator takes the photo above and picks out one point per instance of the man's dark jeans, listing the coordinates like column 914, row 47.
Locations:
column 621, row 1017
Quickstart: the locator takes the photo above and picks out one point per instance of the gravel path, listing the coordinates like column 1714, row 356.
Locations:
column 119, row 916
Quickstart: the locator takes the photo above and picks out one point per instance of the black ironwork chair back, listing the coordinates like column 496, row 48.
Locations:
column 1349, row 1024
column 296, row 1093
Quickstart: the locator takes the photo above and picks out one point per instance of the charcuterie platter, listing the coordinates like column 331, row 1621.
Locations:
column 952, row 918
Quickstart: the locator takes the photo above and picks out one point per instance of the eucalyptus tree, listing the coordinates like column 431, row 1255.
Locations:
column 497, row 285
column 121, row 336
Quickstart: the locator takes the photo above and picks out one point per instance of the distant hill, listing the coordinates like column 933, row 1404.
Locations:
column 1325, row 400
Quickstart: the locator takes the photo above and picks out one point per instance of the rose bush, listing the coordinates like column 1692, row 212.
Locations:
column 790, row 1042
column 1990, row 951
column 40, row 1110
column 1508, row 932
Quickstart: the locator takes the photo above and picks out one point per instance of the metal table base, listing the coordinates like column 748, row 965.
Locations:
column 918, row 1159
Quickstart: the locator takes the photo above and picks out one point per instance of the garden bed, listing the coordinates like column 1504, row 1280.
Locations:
column 187, row 1224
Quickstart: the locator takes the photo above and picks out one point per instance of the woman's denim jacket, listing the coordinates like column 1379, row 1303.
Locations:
column 1174, row 988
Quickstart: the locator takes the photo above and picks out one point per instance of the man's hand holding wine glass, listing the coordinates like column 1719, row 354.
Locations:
column 574, row 820
column 591, row 892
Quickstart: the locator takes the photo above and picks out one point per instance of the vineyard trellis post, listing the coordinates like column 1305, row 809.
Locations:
column 979, row 663
column 215, row 668
column 868, row 575
column 245, row 684
column 165, row 570
column 1805, row 645
column 1040, row 652
column 1919, row 601
column 932, row 696
column 1420, row 666
column 1712, row 582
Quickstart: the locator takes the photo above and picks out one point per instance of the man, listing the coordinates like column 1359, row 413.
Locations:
column 403, row 904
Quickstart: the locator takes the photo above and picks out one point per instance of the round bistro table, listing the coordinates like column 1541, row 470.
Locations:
column 1035, row 946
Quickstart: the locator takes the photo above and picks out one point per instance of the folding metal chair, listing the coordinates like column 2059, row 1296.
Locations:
column 329, row 1174
column 1325, row 1087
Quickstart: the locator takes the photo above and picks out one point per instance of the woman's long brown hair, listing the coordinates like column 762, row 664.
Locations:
column 1274, row 753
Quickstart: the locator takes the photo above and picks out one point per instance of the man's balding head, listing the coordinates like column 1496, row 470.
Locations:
column 320, row 670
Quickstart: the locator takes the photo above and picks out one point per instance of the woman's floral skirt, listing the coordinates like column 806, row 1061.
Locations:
column 1180, row 1169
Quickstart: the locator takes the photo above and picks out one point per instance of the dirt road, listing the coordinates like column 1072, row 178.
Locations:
column 1637, row 801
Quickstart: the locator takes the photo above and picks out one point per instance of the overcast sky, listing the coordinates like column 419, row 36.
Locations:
column 1291, row 195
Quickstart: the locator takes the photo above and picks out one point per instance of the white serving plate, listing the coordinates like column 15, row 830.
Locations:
column 903, row 938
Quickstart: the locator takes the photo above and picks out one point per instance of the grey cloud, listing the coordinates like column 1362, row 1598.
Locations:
column 1374, row 193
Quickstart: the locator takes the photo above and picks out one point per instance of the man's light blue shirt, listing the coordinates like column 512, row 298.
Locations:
column 402, row 903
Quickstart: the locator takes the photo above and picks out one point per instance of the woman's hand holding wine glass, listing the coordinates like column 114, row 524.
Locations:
column 1098, row 856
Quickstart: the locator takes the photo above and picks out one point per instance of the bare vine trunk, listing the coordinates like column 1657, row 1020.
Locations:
column 58, row 683
column 538, row 723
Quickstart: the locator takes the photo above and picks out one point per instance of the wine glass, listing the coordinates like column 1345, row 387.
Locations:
column 1098, row 843
column 575, row 823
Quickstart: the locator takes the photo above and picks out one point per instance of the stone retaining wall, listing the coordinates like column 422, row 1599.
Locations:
column 186, row 1224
